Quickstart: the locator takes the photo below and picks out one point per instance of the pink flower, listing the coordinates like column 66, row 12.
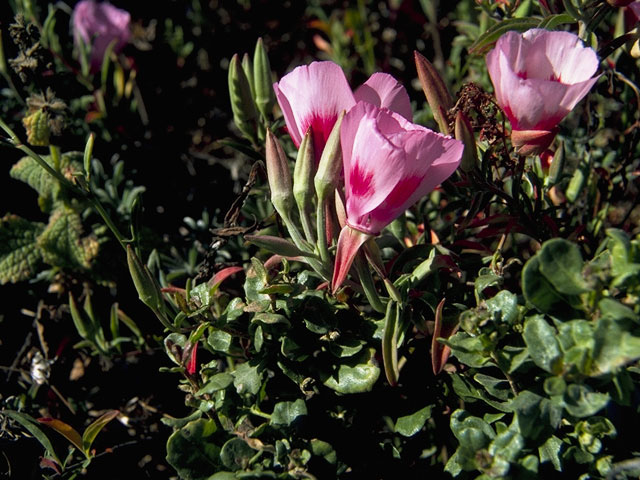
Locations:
column 98, row 25
column 389, row 164
column 312, row 96
column 539, row 76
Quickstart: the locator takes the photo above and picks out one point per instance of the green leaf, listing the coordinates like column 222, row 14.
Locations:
column 235, row 454
column 271, row 319
column 285, row 413
column 473, row 433
column 33, row 428
column 29, row 171
column 539, row 292
column 61, row 242
column 320, row 448
column 190, row 451
column 219, row 381
column 19, row 254
column 91, row 432
column 220, row 340
column 491, row 35
column 64, row 429
column 247, row 379
column 508, row 444
column 540, row 338
column 469, row 350
column 561, row 263
column 504, row 307
column 357, row 375
column 550, row 451
column 535, row 413
column 496, row 387
column 411, row 424
column 346, row 347
column 615, row 344
column 553, row 21
column 256, row 281
column 581, row 401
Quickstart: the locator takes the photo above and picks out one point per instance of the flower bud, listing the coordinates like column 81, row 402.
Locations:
column 329, row 171
column 247, row 66
column 303, row 173
column 557, row 165
column 244, row 110
column 464, row 133
column 147, row 288
column 435, row 90
column 263, row 84
column 279, row 176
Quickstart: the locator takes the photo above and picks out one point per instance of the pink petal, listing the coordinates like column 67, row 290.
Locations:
column 312, row 96
column 540, row 76
column 570, row 60
column 389, row 163
column 99, row 25
column 372, row 164
column 382, row 90
column 431, row 159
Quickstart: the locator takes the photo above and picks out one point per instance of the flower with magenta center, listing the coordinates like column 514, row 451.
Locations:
column 99, row 25
column 312, row 96
column 539, row 76
column 389, row 164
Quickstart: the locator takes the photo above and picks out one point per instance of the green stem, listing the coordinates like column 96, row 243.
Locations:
column 307, row 227
column 368, row 286
column 256, row 411
column 319, row 267
column 63, row 180
column 322, row 232
column 55, row 157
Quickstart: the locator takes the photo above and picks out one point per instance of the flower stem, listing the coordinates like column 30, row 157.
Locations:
column 322, row 232
column 368, row 286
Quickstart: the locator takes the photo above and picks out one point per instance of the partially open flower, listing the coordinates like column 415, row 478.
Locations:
column 312, row 96
column 99, row 25
column 389, row 164
column 539, row 76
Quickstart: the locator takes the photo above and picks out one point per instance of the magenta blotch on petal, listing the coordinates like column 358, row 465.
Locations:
column 312, row 96
column 389, row 164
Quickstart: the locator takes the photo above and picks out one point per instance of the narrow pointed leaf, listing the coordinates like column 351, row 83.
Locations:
column 92, row 430
column 65, row 430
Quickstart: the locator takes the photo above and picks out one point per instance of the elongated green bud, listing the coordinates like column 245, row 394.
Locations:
column 279, row 176
column 464, row 133
column 76, row 316
column 557, row 165
column 247, row 66
column 263, row 83
column 244, row 110
column 435, row 90
column 303, row 173
column 147, row 288
column 330, row 167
